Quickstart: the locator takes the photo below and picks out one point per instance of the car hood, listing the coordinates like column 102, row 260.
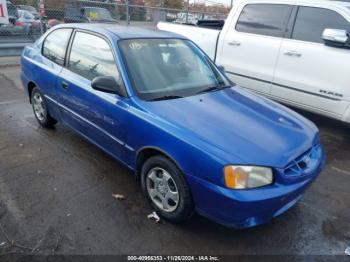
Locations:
column 247, row 128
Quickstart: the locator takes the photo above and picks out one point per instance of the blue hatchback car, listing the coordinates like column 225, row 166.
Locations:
column 155, row 102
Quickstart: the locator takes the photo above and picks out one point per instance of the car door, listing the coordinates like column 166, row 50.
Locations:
column 97, row 115
column 50, row 66
column 309, row 73
column 251, row 45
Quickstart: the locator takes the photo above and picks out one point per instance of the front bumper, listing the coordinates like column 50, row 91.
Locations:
column 252, row 207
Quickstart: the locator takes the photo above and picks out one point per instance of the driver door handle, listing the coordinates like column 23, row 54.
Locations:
column 292, row 53
column 65, row 85
column 234, row 43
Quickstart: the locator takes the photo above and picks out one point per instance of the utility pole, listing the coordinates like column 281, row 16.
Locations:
column 188, row 9
column 127, row 12
column 231, row 4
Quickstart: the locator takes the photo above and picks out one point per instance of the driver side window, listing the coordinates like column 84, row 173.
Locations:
column 91, row 56
column 312, row 21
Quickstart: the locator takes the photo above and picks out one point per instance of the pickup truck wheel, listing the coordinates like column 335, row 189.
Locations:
column 166, row 189
column 40, row 109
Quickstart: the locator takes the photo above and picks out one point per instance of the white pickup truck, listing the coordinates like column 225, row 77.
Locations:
column 295, row 52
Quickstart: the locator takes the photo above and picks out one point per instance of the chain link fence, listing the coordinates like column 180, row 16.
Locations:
column 29, row 19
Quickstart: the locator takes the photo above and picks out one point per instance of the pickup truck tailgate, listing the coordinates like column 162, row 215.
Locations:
column 205, row 38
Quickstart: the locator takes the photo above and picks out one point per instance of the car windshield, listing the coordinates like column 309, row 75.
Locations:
column 169, row 68
column 25, row 14
column 97, row 13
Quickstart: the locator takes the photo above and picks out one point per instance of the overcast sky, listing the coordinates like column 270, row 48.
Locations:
column 228, row 2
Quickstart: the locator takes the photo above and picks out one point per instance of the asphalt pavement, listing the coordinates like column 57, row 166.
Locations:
column 56, row 198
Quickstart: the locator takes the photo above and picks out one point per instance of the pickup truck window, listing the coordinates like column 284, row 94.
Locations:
column 311, row 22
column 264, row 19
column 169, row 68
column 91, row 56
column 55, row 44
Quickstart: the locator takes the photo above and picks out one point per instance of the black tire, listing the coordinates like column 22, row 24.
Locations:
column 45, row 119
column 185, row 206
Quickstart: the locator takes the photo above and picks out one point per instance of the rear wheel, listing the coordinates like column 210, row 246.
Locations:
column 166, row 189
column 40, row 109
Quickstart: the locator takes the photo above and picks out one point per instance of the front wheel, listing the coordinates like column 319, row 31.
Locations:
column 40, row 109
column 166, row 189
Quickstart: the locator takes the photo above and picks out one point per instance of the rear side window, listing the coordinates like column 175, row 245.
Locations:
column 55, row 44
column 264, row 19
column 311, row 22
column 91, row 56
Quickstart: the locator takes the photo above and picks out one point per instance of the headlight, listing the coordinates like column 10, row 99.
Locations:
column 241, row 177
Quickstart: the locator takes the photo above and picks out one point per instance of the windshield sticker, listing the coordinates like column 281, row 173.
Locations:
column 135, row 45
column 93, row 15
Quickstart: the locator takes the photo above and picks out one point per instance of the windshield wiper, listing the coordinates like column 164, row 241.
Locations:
column 211, row 89
column 165, row 98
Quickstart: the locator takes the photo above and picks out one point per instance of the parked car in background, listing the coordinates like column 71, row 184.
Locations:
column 27, row 20
column 98, row 14
column 184, row 18
column 30, row 9
column 12, row 10
column 295, row 52
column 157, row 103
column 170, row 17
column 12, row 13
column 5, row 29
column 14, row 27
column 74, row 15
column 88, row 15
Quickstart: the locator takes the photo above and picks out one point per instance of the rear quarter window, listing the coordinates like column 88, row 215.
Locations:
column 55, row 45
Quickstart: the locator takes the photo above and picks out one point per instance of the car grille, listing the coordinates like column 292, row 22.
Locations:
column 305, row 163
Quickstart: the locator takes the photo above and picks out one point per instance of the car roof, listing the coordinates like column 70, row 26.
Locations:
column 342, row 3
column 122, row 32
column 338, row 2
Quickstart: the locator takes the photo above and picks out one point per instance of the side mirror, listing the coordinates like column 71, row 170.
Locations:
column 12, row 20
column 107, row 84
column 335, row 37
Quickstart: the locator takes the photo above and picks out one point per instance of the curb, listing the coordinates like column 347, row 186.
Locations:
column 9, row 65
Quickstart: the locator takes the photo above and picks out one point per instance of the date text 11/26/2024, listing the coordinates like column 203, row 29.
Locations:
column 173, row 258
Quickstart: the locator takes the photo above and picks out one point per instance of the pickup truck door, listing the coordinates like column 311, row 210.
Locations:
column 250, row 44
column 96, row 115
column 310, row 74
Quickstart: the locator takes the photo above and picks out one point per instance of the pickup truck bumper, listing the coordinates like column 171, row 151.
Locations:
column 247, row 208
